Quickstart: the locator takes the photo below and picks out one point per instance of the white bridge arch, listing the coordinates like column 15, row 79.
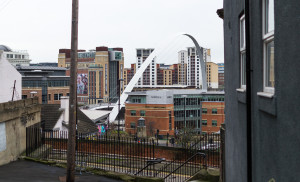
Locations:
column 143, row 67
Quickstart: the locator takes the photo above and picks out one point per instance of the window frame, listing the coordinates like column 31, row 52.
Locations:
column 242, row 51
column 212, row 111
column 214, row 121
column 267, row 37
column 133, row 113
column 56, row 97
column 142, row 113
column 132, row 125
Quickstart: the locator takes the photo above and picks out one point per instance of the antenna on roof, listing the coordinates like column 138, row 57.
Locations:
column 14, row 89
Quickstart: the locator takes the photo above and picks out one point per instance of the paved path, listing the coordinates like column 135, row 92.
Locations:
column 27, row 171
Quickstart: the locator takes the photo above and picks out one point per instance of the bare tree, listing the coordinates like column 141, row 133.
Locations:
column 186, row 136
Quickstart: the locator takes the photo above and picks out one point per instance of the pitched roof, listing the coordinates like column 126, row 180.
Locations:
column 96, row 115
column 85, row 124
column 51, row 113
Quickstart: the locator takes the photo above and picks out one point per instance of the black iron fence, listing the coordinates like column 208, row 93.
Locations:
column 134, row 156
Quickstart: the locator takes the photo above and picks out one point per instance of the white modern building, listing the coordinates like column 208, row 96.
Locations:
column 194, row 66
column 16, row 57
column 10, row 80
column 149, row 75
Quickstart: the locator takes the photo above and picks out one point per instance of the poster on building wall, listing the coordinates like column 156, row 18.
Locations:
column 82, row 84
column 2, row 137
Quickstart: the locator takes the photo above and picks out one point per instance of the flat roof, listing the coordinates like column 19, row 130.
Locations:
column 40, row 68
column 181, row 92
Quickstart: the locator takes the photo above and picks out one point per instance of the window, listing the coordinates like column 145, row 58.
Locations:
column 143, row 113
column 214, row 111
column 204, row 110
column 132, row 125
column 133, row 113
column 49, row 96
column 214, row 123
column 24, row 96
column 268, row 38
column 242, row 53
column 57, row 96
column 204, row 122
column 141, row 122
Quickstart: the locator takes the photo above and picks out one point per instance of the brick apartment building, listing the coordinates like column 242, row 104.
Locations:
column 129, row 73
column 157, row 116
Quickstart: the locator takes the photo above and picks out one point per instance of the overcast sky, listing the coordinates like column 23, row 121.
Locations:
column 42, row 27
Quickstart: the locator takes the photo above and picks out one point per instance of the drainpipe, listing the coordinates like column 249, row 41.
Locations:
column 248, row 91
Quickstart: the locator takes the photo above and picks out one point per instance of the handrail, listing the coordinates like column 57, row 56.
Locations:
column 151, row 162
column 167, row 165
column 198, row 153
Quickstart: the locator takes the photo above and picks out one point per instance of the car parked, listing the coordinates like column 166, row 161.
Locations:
column 211, row 147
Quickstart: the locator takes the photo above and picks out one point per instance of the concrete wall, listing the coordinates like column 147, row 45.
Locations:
column 14, row 118
column 8, row 75
column 275, row 125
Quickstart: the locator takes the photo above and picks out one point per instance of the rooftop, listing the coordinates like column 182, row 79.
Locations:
column 50, row 114
column 96, row 115
column 5, row 48
column 40, row 68
column 181, row 91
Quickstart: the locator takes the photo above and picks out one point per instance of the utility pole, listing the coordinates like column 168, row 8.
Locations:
column 73, row 95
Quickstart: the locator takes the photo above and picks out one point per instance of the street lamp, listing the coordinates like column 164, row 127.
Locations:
column 119, row 107
column 184, row 96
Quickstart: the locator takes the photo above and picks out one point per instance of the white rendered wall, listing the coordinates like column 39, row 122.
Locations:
column 64, row 104
column 8, row 74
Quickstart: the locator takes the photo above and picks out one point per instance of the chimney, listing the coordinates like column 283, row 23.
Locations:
column 64, row 104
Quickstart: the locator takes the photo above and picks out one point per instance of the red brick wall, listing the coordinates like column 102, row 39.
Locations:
column 51, row 92
column 135, row 149
column 157, row 117
column 220, row 116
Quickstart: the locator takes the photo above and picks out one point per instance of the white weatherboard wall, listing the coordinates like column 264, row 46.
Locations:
column 8, row 74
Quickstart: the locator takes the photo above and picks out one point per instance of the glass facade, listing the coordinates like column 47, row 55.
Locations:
column 50, row 83
column 113, row 81
column 188, row 112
